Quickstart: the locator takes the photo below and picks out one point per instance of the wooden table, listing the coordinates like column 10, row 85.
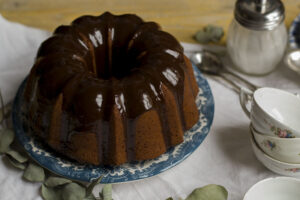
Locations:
column 182, row 18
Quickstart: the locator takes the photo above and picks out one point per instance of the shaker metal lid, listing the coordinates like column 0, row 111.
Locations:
column 259, row 14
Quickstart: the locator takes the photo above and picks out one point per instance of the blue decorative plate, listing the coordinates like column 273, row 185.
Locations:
column 294, row 33
column 128, row 171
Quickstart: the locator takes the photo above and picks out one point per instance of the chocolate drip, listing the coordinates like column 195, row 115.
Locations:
column 158, row 101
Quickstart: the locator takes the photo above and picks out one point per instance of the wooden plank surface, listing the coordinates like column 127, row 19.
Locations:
column 182, row 18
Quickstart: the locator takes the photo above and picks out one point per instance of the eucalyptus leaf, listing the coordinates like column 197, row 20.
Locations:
column 34, row 173
column 215, row 32
column 17, row 156
column 6, row 138
column 209, row 33
column 202, row 37
column 53, row 181
column 15, row 163
column 90, row 197
column 50, row 193
column 106, row 193
column 73, row 191
column 209, row 192
column 91, row 186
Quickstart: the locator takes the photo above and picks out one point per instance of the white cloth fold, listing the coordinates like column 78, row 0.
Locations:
column 225, row 157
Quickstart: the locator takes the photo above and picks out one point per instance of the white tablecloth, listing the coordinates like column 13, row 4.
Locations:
column 225, row 157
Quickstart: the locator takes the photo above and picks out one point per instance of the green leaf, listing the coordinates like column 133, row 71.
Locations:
column 6, row 138
column 50, row 193
column 202, row 37
column 53, row 181
column 73, row 191
column 215, row 32
column 34, row 173
column 210, row 33
column 209, row 192
column 17, row 156
column 170, row 198
column 15, row 163
column 106, row 193
column 90, row 197
column 91, row 186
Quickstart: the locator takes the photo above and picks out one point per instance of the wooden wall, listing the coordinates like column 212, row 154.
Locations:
column 182, row 18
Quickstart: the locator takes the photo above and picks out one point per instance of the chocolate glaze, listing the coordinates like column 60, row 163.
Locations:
column 99, row 62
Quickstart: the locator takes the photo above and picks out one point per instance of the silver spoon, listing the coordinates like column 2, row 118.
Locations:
column 292, row 59
column 210, row 63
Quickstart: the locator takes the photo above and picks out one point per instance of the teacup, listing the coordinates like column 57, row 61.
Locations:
column 283, row 149
column 273, row 111
column 278, row 188
column 279, row 167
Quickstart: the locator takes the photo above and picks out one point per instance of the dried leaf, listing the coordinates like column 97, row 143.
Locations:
column 106, row 193
column 73, row 191
column 15, row 163
column 91, row 186
column 209, row 192
column 17, row 156
column 34, row 173
column 50, row 193
column 6, row 138
column 53, row 181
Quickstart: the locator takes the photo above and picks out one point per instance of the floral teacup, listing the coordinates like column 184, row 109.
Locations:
column 273, row 111
column 282, row 149
column 277, row 166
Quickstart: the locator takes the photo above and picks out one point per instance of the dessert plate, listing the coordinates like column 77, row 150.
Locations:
column 128, row 171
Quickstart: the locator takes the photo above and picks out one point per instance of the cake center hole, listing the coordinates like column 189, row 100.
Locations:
column 115, row 64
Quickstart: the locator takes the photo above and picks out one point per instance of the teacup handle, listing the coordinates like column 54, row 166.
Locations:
column 244, row 99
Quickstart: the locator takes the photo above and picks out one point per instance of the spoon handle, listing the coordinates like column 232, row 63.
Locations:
column 235, row 86
column 254, row 87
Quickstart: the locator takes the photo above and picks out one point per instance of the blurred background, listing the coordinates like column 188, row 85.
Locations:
column 182, row 18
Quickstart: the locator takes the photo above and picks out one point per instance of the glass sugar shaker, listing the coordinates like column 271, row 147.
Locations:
column 257, row 36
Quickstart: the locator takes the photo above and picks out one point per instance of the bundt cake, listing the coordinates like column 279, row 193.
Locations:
column 111, row 89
